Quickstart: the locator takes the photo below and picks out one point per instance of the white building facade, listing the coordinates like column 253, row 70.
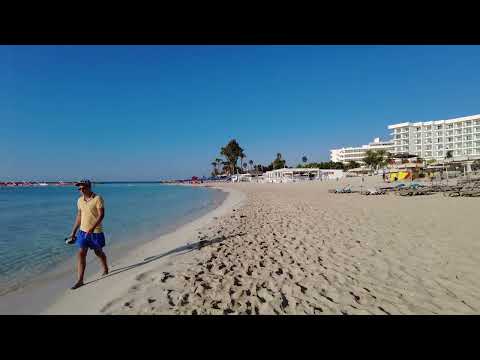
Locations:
column 433, row 139
column 357, row 154
column 301, row 174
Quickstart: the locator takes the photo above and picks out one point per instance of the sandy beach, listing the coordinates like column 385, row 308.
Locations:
column 297, row 249
column 167, row 252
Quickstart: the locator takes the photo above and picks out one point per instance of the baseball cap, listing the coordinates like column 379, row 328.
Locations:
column 84, row 182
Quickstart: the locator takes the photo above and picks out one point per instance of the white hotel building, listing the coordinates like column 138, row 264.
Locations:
column 357, row 154
column 432, row 139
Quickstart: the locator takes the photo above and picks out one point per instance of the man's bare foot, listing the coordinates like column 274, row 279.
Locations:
column 77, row 285
column 105, row 273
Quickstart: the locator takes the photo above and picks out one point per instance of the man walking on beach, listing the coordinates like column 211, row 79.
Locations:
column 89, row 219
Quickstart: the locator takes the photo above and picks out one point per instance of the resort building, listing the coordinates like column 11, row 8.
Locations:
column 357, row 154
column 433, row 139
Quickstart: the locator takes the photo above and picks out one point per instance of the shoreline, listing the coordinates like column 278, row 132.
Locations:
column 115, row 251
column 50, row 288
column 97, row 292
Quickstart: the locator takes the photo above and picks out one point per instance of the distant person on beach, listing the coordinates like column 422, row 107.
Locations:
column 90, row 214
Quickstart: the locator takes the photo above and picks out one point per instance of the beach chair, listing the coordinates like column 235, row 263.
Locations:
column 374, row 192
column 405, row 192
column 346, row 189
column 415, row 186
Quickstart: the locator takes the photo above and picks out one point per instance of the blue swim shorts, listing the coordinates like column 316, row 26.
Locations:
column 94, row 241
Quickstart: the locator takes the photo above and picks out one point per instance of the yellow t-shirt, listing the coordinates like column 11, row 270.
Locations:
column 90, row 213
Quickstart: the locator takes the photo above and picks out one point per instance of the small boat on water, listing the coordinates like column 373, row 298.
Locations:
column 16, row 183
column 62, row 183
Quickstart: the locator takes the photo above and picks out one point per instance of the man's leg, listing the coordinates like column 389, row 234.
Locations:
column 103, row 259
column 81, row 264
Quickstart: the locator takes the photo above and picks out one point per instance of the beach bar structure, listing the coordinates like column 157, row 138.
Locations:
column 331, row 174
column 248, row 177
column 406, row 171
column 359, row 171
column 301, row 174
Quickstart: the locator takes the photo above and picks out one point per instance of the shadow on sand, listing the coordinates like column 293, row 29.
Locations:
column 181, row 250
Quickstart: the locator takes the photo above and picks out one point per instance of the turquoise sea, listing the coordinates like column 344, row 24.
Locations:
column 35, row 220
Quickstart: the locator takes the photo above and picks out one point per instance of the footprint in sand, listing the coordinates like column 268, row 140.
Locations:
column 385, row 311
column 356, row 297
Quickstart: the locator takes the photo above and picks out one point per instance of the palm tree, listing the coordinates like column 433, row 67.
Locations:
column 251, row 164
column 215, row 170
column 278, row 163
column 376, row 158
column 383, row 157
column 232, row 151
column 245, row 165
column 226, row 167
column 304, row 160
column 242, row 156
column 371, row 158
column 219, row 162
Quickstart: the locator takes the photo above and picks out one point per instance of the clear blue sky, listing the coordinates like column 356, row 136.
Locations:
column 158, row 112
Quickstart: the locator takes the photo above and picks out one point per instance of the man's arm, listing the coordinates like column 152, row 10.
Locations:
column 101, row 215
column 77, row 224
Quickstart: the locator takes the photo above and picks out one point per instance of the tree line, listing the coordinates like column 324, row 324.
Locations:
column 233, row 152
column 233, row 156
